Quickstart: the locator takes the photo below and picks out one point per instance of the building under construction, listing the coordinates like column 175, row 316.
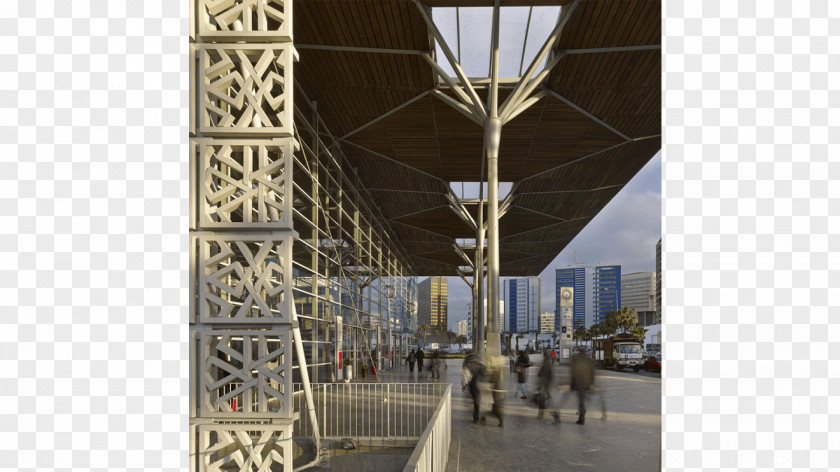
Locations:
column 329, row 140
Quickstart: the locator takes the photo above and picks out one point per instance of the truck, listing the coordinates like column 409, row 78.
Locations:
column 617, row 352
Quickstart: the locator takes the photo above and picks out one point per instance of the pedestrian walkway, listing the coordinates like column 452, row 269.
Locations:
column 628, row 441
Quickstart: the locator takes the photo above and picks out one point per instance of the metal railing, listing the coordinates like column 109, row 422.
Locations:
column 432, row 451
column 372, row 413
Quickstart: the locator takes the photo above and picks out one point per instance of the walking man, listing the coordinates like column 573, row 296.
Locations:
column 420, row 357
column 411, row 360
column 583, row 377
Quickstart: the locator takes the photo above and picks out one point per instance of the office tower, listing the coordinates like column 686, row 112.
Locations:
column 432, row 302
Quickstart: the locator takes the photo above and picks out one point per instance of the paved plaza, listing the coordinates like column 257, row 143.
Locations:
column 629, row 440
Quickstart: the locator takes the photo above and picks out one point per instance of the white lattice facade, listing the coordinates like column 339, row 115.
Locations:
column 241, row 234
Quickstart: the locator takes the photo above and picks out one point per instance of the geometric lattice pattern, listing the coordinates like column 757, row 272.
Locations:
column 246, row 374
column 246, row 89
column 244, row 280
column 245, row 184
column 245, row 20
column 245, row 447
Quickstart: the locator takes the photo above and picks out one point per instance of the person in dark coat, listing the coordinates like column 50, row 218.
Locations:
column 545, row 376
column 411, row 358
column 522, row 364
column 420, row 357
column 583, row 378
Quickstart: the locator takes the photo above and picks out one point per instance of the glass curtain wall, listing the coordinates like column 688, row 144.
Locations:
column 347, row 267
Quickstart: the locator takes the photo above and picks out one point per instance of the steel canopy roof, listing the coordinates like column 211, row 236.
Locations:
column 570, row 153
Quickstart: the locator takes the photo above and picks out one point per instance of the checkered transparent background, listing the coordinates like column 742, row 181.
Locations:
column 93, row 220
column 752, row 231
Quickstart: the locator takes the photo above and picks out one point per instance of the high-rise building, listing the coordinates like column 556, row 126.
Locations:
column 462, row 328
column 546, row 323
column 606, row 291
column 658, row 282
column 574, row 277
column 597, row 291
column 502, row 318
column 522, row 298
column 432, row 302
column 638, row 292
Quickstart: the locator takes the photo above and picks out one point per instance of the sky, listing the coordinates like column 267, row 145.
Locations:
column 624, row 233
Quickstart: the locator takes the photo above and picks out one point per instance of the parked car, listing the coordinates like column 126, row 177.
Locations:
column 654, row 362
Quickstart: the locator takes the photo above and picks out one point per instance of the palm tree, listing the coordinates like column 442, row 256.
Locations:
column 424, row 328
column 639, row 332
column 596, row 331
column 580, row 334
column 610, row 323
column 626, row 318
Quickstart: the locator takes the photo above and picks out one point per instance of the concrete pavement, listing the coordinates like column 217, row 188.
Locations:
column 628, row 441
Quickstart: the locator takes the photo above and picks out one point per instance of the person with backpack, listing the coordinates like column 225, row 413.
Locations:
column 411, row 360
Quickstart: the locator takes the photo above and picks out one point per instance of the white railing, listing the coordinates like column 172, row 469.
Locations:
column 432, row 451
column 372, row 413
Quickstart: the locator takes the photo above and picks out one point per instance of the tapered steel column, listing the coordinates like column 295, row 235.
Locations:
column 480, row 308
column 492, row 135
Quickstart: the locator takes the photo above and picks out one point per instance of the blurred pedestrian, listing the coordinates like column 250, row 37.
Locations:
column 553, row 355
column 583, row 378
column 420, row 357
column 411, row 360
column 473, row 372
column 434, row 366
column 545, row 376
column 498, row 394
column 522, row 364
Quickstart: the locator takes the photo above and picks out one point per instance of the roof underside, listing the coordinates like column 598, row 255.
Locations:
column 407, row 144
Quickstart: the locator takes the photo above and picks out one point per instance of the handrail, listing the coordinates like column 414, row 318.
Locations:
column 374, row 414
column 432, row 451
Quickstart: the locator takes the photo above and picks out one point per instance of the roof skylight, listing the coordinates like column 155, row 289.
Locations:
column 468, row 33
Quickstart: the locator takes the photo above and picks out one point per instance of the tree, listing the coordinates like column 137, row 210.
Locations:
column 626, row 318
column 610, row 323
column 596, row 331
column 639, row 332
column 507, row 340
column 580, row 334
column 460, row 339
column 424, row 328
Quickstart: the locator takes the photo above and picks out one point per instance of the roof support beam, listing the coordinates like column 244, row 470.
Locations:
column 475, row 102
column 459, row 209
column 647, row 47
column 493, row 109
column 383, row 156
column 460, row 107
column 519, row 93
column 463, row 276
column 509, row 115
column 463, row 255
column 327, row 47
column 588, row 115
column 387, row 114
column 587, row 157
